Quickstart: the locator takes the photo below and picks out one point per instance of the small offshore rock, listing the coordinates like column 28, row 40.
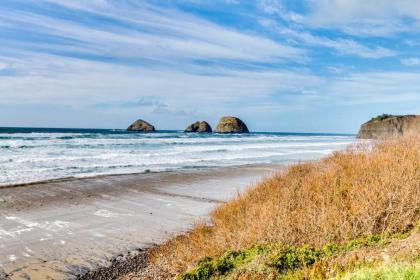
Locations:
column 198, row 126
column 141, row 125
column 231, row 125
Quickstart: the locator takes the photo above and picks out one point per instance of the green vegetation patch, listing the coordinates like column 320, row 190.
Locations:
column 209, row 267
column 382, row 117
column 291, row 258
column 388, row 272
column 370, row 240
column 284, row 259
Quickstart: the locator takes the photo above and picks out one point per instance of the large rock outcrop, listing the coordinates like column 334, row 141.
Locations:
column 141, row 125
column 231, row 125
column 198, row 126
column 389, row 125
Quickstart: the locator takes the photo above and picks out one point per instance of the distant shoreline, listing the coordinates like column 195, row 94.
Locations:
column 12, row 129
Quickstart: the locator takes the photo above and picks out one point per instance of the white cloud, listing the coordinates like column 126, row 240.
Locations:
column 166, row 35
column 271, row 6
column 374, row 88
column 344, row 11
column 81, row 83
column 411, row 61
column 346, row 46
column 364, row 17
column 378, row 28
column 381, row 18
column 276, row 7
column 340, row 45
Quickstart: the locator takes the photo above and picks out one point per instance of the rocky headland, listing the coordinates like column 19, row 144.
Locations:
column 389, row 125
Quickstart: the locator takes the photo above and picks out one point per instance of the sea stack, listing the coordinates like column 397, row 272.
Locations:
column 142, row 126
column 231, row 125
column 390, row 125
column 199, row 126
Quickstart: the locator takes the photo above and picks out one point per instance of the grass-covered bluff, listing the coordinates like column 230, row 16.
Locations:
column 315, row 220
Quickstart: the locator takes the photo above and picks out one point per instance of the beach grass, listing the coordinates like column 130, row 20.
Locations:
column 291, row 220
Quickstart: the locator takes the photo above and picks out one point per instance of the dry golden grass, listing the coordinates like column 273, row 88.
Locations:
column 349, row 194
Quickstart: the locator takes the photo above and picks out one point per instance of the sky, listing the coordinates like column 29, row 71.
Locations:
column 279, row 65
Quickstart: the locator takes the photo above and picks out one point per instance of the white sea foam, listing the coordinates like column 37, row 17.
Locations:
column 38, row 156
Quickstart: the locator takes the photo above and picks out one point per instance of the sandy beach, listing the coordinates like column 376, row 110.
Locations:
column 63, row 229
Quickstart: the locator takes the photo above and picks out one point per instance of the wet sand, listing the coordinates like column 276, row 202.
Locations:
column 63, row 229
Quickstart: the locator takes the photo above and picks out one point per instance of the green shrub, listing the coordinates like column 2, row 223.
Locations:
column 330, row 249
column 203, row 270
column 291, row 258
column 229, row 261
column 382, row 117
column 370, row 240
column 208, row 267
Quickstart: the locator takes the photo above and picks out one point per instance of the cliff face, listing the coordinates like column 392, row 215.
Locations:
column 389, row 125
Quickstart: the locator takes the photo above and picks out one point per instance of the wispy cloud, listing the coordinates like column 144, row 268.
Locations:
column 350, row 10
column 365, row 17
column 141, row 102
column 375, row 87
column 156, row 34
column 276, row 7
column 355, row 17
column 339, row 45
column 3, row 66
column 411, row 61
column 151, row 104
column 82, row 83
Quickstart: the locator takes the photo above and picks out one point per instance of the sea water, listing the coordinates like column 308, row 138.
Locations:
column 39, row 154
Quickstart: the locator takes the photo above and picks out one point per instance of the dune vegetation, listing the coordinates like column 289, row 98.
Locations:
column 332, row 218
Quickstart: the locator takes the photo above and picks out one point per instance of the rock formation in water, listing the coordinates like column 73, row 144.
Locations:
column 141, row 125
column 199, row 127
column 231, row 125
column 390, row 125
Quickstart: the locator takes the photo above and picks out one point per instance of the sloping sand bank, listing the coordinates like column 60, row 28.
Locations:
column 63, row 229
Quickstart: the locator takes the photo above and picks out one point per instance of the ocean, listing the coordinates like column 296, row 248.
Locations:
column 39, row 154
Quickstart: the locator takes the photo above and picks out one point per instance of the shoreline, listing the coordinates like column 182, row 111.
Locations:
column 81, row 190
column 99, row 176
column 75, row 227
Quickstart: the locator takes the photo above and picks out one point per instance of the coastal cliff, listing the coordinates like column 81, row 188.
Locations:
column 389, row 125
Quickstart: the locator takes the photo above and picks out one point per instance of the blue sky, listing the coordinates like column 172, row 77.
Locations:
column 303, row 66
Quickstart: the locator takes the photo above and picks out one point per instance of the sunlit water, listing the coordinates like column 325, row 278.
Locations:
column 30, row 155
